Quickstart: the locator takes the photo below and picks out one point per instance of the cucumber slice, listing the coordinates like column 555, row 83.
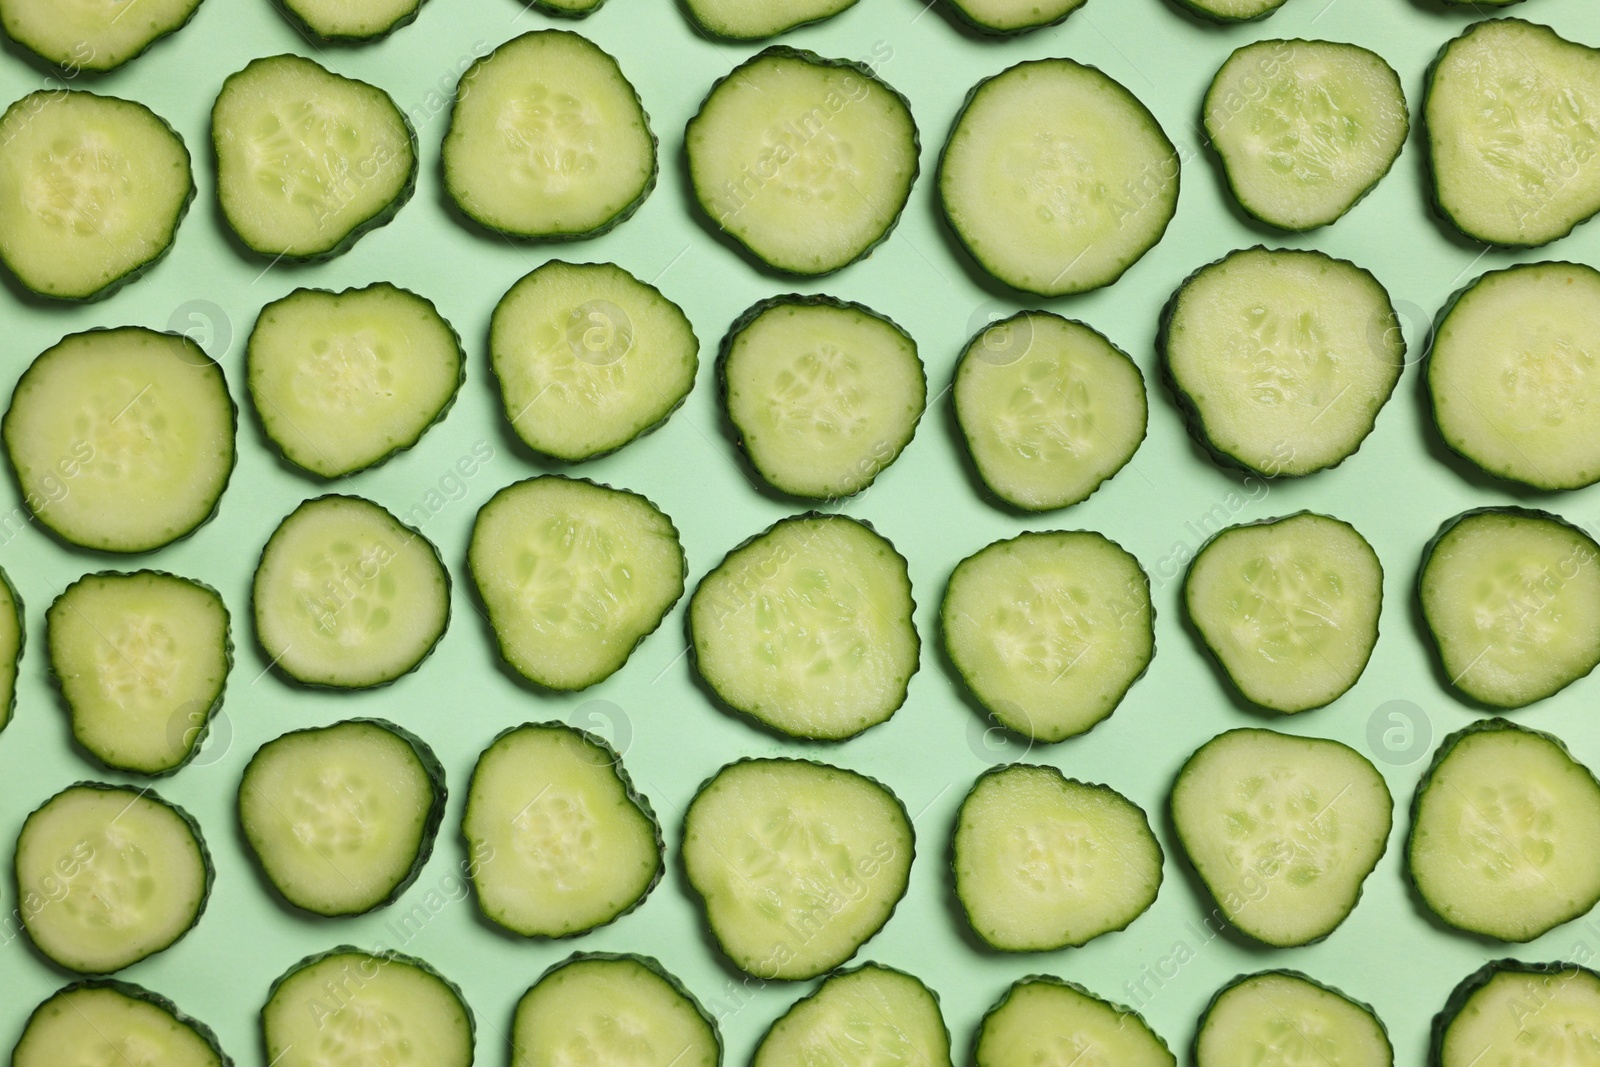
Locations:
column 1006, row 17
column 13, row 638
column 1281, row 359
column 1511, row 598
column 1048, row 408
column 1044, row 862
column 807, row 162
column 562, row 842
column 341, row 818
column 612, row 1009
column 869, row 1016
column 1505, row 833
column 1056, row 179
column 347, row 596
column 1506, row 374
column 308, row 160
column 343, row 381
column 1023, row 616
column 1283, row 1017
column 1520, row 1013
column 1226, row 11
column 141, row 660
column 355, row 21
column 1283, row 830
column 92, row 189
column 823, row 394
column 351, row 1008
column 797, row 863
column 1043, row 1019
column 108, row 875
column 1305, row 129
column 589, row 358
column 121, row 440
column 574, row 576
column 569, row 9
column 1288, row 608
column 114, row 1023
column 93, row 35
column 1516, row 170
column 548, row 139
column 753, row 20
column 807, row 628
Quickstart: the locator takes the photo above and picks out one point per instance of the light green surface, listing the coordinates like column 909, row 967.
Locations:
column 1395, row 490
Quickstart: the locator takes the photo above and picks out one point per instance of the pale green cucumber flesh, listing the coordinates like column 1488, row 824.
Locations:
column 352, row 20
column 1281, row 1017
column 113, row 1023
column 1014, row 16
column 1232, row 10
column 615, row 1010
column 741, row 20
column 870, row 1016
column 1521, row 1015
column 1042, row 1019
column 93, row 35
column 13, row 638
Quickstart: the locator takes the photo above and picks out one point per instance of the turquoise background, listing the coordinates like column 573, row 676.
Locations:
column 1397, row 490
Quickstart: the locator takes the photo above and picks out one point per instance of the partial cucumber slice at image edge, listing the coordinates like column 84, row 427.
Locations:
column 566, row 9
column 1228, row 12
column 1007, row 18
column 349, row 21
column 740, row 20
column 1041, row 1018
column 1509, row 1011
column 1300, row 1017
column 13, row 643
column 101, row 1020
column 858, row 1014
column 80, row 37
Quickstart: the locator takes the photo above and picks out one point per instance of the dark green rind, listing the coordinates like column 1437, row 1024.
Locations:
column 649, row 963
column 71, row 68
column 1284, row 972
column 564, row 13
column 133, row 273
column 1477, row 980
column 139, row 792
column 416, row 535
column 781, row 51
column 1189, row 607
column 500, row 643
column 899, row 804
column 343, row 242
column 556, row 238
column 1198, row 9
column 1191, row 413
column 750, row 542
column 961, row 815
column 438, row 417
column 286, row 7
column 1427, row 557
column 202, row 728
column 1446, row 747
column 932, row 995
column 1127, row 1014
column 140, row 993
column 22, row 646
column 960, row 14
column 707, row 31
column 754, row 312
column 636, row 798
column 431, row 767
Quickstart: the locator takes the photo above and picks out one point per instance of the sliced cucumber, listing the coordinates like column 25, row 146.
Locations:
column 1005, row 17
column 868, row 1016
column 548, row 139
column 1519, row 1013
column 114, row 1023
column 93, row 35
column 1042, row 1019
column 347, row 596
column 807, row 162
column 574, row 576
column 141, row 660
column 612, row 1009
column 341, row 818
column 1511, row 135
column 1305, row 129
column 1507, row 374
column 352, row 20
column 1288, row 608
column 1049, row 409
column 351, row 1008
column 570, row 9
column 1044, row 862
column 92, row 189
column 1049, row 630
column 589, row 358
column 13, row 638
column 797, row 863
column 752, row 20
column 308, row 160
column 807, row 628
column 1505, row 833
column 121, row 440
column 107, row 875
column 563, row 843
column 1226, row 11
column 1283, row 830
column 824, row 394
column 1283, row 1017
column 1281, row 359
column 1056, row 178
column 1511, row 598
column 343, row 381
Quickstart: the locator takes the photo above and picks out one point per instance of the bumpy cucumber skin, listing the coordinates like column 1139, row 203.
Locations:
column 1476, row 981
column 298, row 22
column 204, row 727
column 137, row 992
column 1283, row 972
column 743, row 322
column 783, row 51
column 843, row 972
column 636, row 798
column 649, row 963
column 431, row 767
column 694, row 20
column 71, row 67
column 1125, row 1013
column 22, row 645
column 960, row 14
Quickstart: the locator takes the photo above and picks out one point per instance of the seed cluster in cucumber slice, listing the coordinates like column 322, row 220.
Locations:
column 1284, row 1017
column 861, row 1017
column 612, row 1009
column 753, row 20
column 1520, row 1013
column 91, row 35
column 1042, row 1019
column 108, row 1022
column 352, row 20
column 1012, row 16
column 1226, row 11
column 13, row 638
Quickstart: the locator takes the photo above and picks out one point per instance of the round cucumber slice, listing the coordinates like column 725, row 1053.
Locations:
column 742, row 20
column 616, row 1009
column 1226, row 11
column 1042, row 1019
column 347, row 596
column 122, row 440
column 860, row 1017
column 1513, row 1012
column 113, row 1023
column 13, row 639
column 92, row 35
column 352, row 20
column 1283, row 1017
column 1006, row 17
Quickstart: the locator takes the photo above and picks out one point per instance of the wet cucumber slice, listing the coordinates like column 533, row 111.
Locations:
column 1522, row 1015
column 346, row 596
column 92, row 35
column 352, row 20
column 13, row 638
column 114, row 1023
column 753, row 20
column 615, row 1010
column 868, row 1016
column 1005, row 17
column 1283, row 1017
column 1042, row 1019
